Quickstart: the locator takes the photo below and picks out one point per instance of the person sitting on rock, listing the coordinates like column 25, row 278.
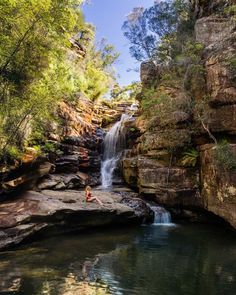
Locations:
column 89, row 197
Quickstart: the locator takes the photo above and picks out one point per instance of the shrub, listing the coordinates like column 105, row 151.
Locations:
column 11, row 154
column 232, row 64
column 224, row 156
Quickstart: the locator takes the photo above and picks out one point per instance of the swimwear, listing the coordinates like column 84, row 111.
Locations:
column 88, row 197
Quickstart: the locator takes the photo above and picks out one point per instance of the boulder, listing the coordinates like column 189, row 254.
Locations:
column 171, row 186
column 159, row 179
column 140, row 207
column 67, row 181
column 67, row 163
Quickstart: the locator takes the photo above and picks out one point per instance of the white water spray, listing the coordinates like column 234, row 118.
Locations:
column 162, row 216
column 114, row 144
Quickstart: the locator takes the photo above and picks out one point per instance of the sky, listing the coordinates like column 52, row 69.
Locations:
column 108, row 16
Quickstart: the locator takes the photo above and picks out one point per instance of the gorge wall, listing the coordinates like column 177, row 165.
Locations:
column 186, row 155
column 74, row 152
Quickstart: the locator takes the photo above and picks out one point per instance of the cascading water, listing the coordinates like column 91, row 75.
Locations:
column 161, row 216
column 114, row 144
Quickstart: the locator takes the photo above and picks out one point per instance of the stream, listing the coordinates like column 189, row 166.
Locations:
column 146, row 260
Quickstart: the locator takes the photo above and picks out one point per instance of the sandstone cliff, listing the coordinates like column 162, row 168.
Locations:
column 186, row 154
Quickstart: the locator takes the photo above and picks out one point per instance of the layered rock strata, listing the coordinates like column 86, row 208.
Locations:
column 156, row 164
column 55, row 212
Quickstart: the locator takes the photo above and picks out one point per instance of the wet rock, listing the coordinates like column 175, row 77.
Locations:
column 130, row 172
column 140, row 207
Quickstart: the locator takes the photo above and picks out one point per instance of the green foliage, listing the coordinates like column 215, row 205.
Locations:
column 107, row 103
column 97, row 75
column 159, row 104
column 232, row 64
column 47, row 54
column 11, row 154
column 190, row 158
column 37, row 149
column 132, row 129
column 51, row 147
column 152, row 101
column 224, row 156
column 153, row 32
column 194, row 79
column 231, row 11
column 125, row 93
column 191, row 53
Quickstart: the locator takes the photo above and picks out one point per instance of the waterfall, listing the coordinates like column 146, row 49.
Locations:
column 114, row 144
column 162, row 216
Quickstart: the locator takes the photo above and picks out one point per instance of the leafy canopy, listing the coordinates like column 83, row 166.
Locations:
column 47, row 54
column 150, row 31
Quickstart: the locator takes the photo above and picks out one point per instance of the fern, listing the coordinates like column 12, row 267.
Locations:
column 190, row 158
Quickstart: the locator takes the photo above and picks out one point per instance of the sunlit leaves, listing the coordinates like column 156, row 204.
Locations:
column 39, row 67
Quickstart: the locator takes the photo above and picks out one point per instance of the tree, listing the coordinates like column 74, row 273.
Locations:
column 137, row 32
column 128, row 92
column 151, row 31
column 41, row 64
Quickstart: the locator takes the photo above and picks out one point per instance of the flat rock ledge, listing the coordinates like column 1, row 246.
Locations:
column 52, row 212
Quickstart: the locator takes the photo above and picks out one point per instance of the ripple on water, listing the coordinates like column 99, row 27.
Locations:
column 149, row 260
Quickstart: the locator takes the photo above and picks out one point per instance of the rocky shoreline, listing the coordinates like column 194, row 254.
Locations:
column 52, row 212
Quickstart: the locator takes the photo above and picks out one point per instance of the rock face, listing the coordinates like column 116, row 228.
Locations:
column 53, row 212
column 148, row 69
column 75, row 149
column 24, row 177
column 176, row 159
column 212, row 30
column 219, row 185
column 218, row 35
column 80, row 143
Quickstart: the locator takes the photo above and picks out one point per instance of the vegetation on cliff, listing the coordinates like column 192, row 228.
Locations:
column 186, row 154
column 164, row 35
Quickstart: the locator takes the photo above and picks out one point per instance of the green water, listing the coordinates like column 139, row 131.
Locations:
column 196, row 260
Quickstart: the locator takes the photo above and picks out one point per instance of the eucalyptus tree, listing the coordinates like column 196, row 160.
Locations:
column 151, row 31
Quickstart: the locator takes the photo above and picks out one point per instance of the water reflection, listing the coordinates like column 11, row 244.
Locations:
column 147, row 260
